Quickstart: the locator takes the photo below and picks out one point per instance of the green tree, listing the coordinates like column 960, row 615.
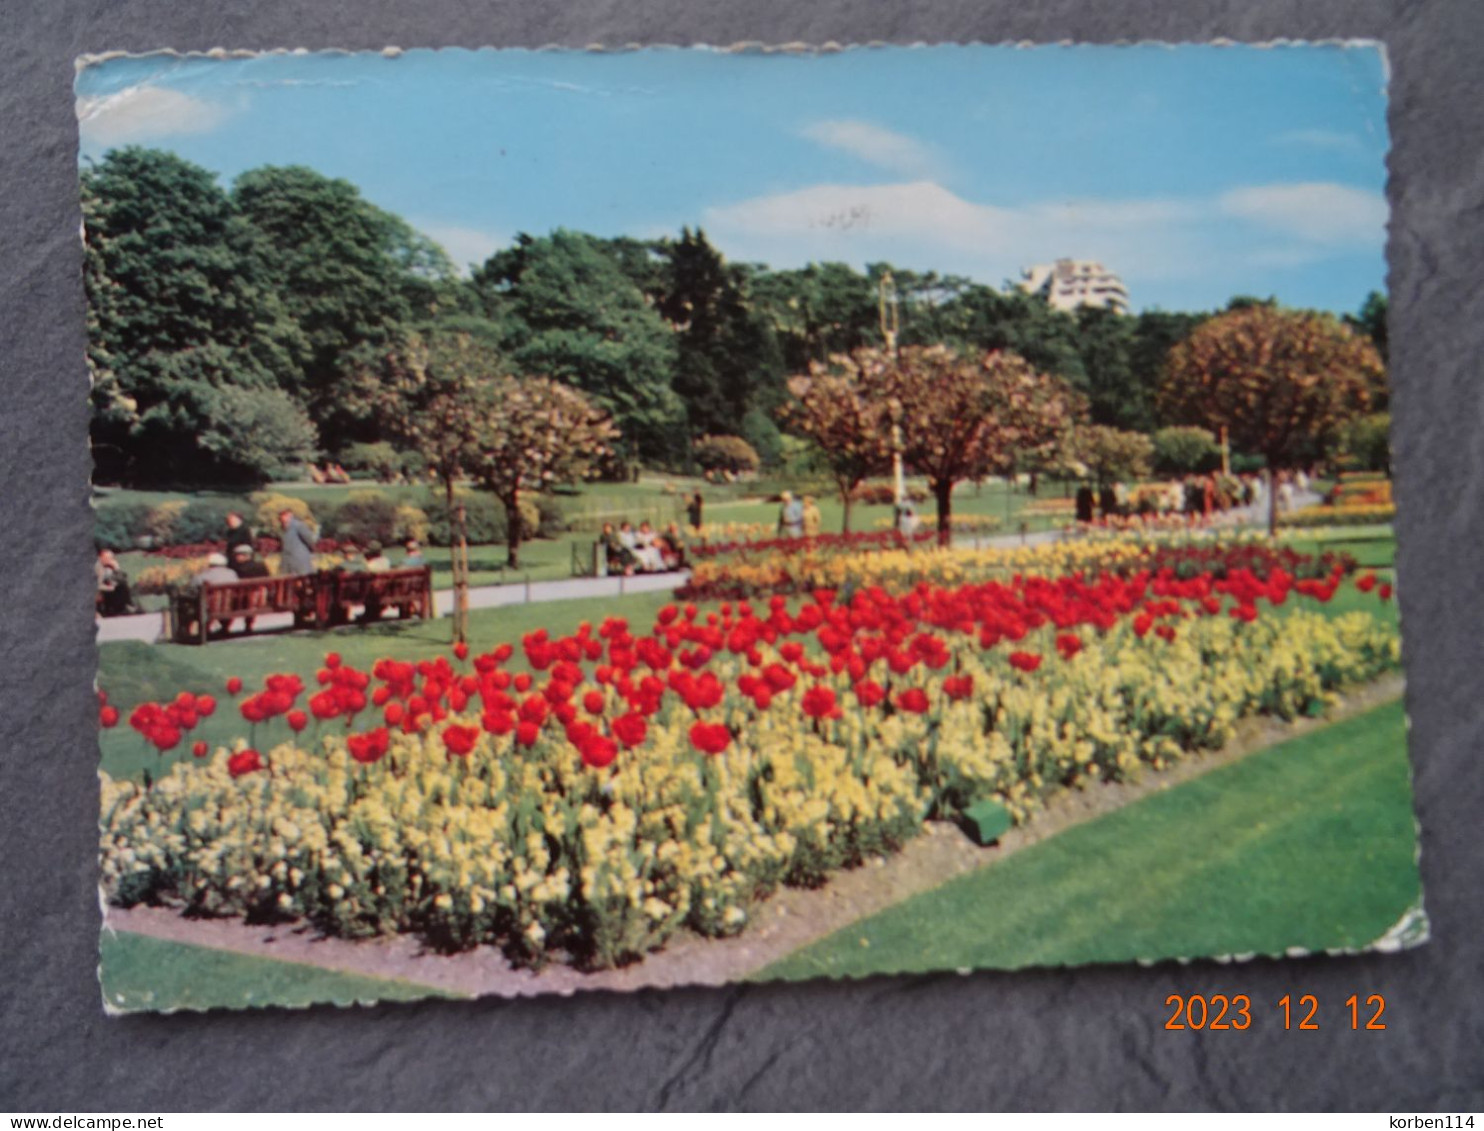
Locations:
column 1371, row 321
column 571, row 312
column 1282, row 382
column 1185, row 451
column 177, row 312
column 727, row 360
column 348, row 274
column 1156, row 333
column 1116, row 397
column 1110, row 454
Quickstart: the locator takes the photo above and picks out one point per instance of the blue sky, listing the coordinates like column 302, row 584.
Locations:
column 1195, row 172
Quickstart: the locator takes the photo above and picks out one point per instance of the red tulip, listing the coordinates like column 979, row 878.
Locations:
column 598, row 751
column 332, row 660
column 914, row 699
column 819, row 701
column 198, row 748
column 108, row 716
column 460, row 740
column 234, row 685
column 630, row 729
column 710, row 738
column 205, row 706
column 527, row 733
column 297, row 721
column 1025, row 661
column 244, row 762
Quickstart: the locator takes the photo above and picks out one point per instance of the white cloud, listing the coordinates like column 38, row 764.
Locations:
column 144, row 113
column 877, row 145
column 924, row 225
column 1318, row 211
column 465, row 246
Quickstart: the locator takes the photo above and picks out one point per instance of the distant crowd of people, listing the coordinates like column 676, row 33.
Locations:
column 1197, row 497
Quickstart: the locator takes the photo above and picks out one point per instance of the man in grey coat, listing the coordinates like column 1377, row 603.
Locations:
column 298, row 545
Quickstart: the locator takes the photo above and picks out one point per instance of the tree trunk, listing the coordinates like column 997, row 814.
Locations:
column 943, row 493
column 512, row 530
column 459, row 559
column 845, row 493
column 1267, row 474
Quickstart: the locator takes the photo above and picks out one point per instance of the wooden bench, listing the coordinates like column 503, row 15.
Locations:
column 316, row 600
column 409, row 591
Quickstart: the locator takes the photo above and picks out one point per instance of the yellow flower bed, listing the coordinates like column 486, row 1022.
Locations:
column 949, row 566
column 526, row 849
column 1342, row 514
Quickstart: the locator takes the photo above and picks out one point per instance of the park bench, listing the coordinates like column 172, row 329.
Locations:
column 316, row 600
column 409, row 591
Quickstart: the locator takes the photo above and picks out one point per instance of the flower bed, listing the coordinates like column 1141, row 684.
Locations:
column 803, row 568
column 1341, row 514
column 637, row 784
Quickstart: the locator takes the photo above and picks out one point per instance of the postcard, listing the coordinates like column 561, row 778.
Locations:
column 619, row 519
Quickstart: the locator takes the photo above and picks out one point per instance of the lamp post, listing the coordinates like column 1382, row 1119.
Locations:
column 887, row 305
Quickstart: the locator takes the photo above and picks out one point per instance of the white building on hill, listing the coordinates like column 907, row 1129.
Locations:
column 1070, row 283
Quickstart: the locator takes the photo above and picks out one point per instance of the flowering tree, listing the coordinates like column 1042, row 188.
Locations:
column 1111, row 454
column 964, row 418
column 434, row 394
column 1281, row 382
column 834, row 406
column 537, row 433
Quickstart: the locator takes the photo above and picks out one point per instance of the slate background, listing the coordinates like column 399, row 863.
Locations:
column 1089, row 1038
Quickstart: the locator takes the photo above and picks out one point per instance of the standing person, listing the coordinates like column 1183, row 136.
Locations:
column 907, row 519
column 790, row 516
column 238, row 534
column 1085, row 503
column 693, row 511
column 298, row 544
column 812, row 517
column 1108, row 502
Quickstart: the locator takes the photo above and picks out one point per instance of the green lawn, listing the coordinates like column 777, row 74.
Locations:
column 140, row 973
column 1310, row 843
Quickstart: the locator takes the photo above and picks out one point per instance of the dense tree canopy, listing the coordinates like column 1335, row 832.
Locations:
column 234, row 334
column 571, row 312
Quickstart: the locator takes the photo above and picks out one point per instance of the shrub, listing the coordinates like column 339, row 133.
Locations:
column 267, row 505
column 727, row 455
column 552, row 521
column 884, row 494
column 379, row 459
column 410, row 522
column 116, row 526
column 205, row 520
column 1185, row 451
column 159, row 522
column 1367, row 442
column 484, row 516
column 759, row 430
column 364, row 516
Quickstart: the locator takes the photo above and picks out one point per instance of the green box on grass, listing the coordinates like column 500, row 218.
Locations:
column 986, row 821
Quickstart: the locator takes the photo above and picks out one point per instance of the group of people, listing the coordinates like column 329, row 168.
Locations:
column 239, row 561
column 330, row 473
column 628, row 551
column 798, row 517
